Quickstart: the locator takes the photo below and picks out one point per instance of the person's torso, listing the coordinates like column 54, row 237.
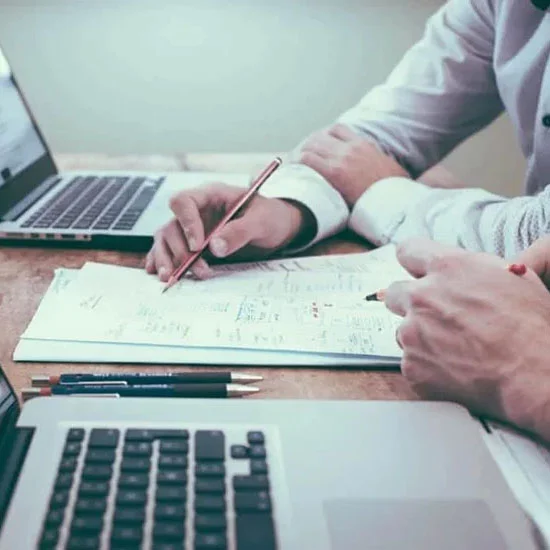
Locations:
column 522, row 67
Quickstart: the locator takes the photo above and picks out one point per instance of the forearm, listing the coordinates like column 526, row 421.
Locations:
column 394, row 210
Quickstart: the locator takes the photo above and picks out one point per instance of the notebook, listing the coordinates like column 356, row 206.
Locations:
column 299, row 311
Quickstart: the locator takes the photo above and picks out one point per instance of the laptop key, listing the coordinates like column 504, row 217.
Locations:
column 207, row 485
column 168, row 531
column 255, row 438
column 174, row 462
column 86, row 524
column 127, row 535
column 210, row 522
column 129, row 515
column 167, row 477
column 250, row 483
column 209, row 503
column 133, row 481
column 55, row 517
column 100, row 456
column 128, row 497
column 75, row 434
column 166, row 546
column 256, row 451
column 258, row 467
column 239, row 451
column 49, row 538
column 72, row 448
column 93, row 489
column 169, row 512
column 83, row 542
column 210, row 469
column 59, row 499
column 214, row 541
column 63, row 481
column 175, row 446
column 171, row 494
column 140, row 448
column 252, row 502
column 104, row 438
column 67, row 464
column 90, row 506
column 135, row 465
column 209, row 445
column 170, row 434
column 139, row 435
column 255, row 531
column 97, row 472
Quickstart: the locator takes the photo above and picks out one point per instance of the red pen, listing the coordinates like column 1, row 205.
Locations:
column 260, row 180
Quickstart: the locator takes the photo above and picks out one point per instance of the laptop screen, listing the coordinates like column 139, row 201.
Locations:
column 20, row 144
column 24, row 158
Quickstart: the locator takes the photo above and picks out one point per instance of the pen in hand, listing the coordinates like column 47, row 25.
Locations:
column 380, row 295
column 258, row 182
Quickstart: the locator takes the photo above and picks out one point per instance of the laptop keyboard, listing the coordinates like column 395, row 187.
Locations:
column 96, row 203
column 159, row 489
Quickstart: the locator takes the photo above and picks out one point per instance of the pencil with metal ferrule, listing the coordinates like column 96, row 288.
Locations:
column 380, row 296
column 126, row 379
column 149, row 390
column 258, row 182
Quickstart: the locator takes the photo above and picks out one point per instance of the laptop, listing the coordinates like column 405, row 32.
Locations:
column 250, row 475
column 107, row 209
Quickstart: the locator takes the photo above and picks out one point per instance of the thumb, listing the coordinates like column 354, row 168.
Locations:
column 234, row 235
column 537, row 258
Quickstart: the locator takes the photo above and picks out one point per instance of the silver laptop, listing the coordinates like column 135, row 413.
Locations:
column 250, row 474
column 104, row 209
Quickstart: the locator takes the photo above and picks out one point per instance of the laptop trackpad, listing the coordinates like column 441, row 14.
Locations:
column 414, row 525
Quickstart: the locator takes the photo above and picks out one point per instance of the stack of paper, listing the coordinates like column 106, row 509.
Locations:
column 304, row 311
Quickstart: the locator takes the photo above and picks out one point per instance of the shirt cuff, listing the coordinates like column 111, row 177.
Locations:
column 382, row 209
column 302, row 184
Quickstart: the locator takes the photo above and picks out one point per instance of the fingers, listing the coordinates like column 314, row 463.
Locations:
column 537, row 258
column 235, row 235
column 190, row 206
column 169, row 251
column 397, row 297
column 342, row 132
column 316, row 162
column 418, row 256
column 323, row 145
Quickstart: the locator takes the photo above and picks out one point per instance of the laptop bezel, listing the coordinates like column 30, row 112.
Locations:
column 19, row 186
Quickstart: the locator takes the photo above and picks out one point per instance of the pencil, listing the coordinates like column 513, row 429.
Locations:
column 260, row 180
column 380, row 295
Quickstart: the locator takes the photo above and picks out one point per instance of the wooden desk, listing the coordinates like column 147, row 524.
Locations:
column 25, row 274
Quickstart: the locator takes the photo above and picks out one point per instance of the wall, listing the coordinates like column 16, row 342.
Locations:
column 217, row 75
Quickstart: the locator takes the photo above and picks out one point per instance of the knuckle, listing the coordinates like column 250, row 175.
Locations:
column 409, row 335
column 443, row 263
column 419, row 297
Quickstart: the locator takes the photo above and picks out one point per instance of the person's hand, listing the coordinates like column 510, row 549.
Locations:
column 350, row 163
column 537, row 258
column 474, row 333
column 265, row 226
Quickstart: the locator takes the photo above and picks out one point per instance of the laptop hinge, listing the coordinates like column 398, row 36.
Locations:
column 30, row 200
column 14, row 444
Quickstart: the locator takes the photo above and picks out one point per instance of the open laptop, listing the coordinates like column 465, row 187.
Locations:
column 250, row 475
column 105, row 210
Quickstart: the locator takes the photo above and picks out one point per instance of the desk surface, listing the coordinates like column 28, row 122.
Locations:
column 25, row 274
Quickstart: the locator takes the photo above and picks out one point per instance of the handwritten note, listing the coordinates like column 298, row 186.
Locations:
column 276, row 308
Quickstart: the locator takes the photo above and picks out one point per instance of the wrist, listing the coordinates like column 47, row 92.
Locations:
column 302, row 224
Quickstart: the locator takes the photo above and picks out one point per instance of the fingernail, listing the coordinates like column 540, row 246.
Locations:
column 218, row 247
column 163, row 272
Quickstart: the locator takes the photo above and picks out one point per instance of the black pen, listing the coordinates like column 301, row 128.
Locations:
column 131, row 378
column 148, row 390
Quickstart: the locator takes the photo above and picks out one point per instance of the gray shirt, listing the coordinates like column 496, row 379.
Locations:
column 476, row 58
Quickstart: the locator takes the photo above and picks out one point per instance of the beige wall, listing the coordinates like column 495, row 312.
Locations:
column 217, row 75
